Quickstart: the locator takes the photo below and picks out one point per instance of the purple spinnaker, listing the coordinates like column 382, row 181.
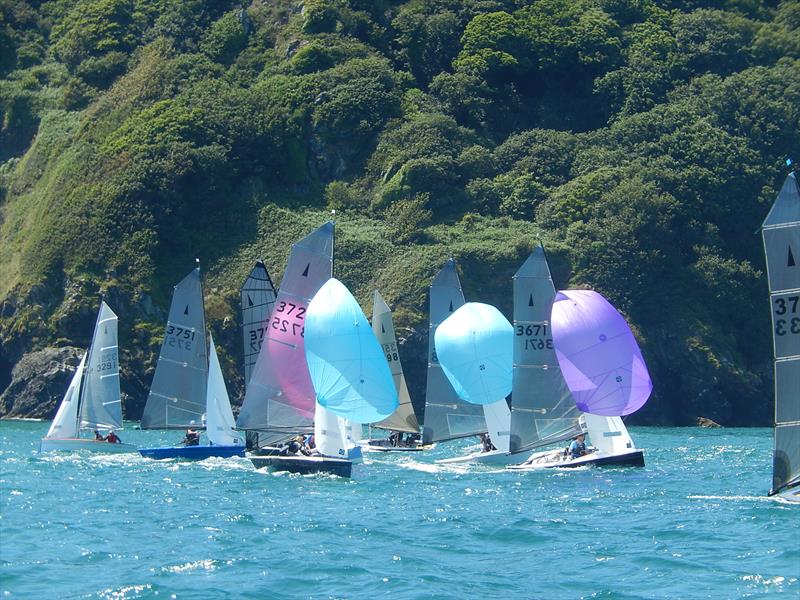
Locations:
column 598, row 355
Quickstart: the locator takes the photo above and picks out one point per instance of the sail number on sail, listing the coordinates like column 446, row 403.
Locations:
column 257, row 338
column 179, row 337
column 536, row 336
column 295, row 312
column 391, row 351
column 107, row 362
column 783, row 308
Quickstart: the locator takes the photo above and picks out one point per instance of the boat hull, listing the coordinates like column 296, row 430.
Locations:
column 382, row 445
column 494, row 457
column 90, row 445
column 555, row 459
column 192, row 452
column 304, row 465
column 789, row 494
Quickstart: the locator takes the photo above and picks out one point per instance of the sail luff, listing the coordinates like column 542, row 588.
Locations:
column 446, row 417
column 403, row 419
column 542, row 409
column 781, row 236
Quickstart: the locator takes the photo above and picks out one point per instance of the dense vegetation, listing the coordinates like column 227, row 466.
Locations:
column 641, row 140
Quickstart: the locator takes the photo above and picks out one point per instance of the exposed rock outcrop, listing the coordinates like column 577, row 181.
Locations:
column 38, row 382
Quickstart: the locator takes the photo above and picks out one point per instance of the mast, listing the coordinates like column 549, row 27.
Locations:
column 82, row 386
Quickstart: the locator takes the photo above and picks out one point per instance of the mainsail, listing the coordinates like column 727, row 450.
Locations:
column 258, row 298
column 101, row 407
column 346, row 364
column 280, row 398
column 781, row 232
column 542, row 409
column 65, row 423
column 177, row 396
column 598, row 355
column 447, row 417
column 403, row 419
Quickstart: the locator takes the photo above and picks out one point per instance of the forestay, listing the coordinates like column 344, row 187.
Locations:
column 781, row 233
column 347, row 367
column 598, row 355
column 446, row 415
column 65, row 423
column 258, row 298
column 177, row 396
column 403, row 419
column 280, row 397
column 101, row 407
column 542, row 409
column 219, row 417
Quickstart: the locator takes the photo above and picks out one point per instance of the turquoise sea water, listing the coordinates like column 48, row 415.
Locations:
column 694, row 523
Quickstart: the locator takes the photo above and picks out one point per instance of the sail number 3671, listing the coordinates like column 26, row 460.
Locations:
column 533, row 333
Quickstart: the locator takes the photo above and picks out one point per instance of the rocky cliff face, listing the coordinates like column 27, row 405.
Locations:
column 38, row 382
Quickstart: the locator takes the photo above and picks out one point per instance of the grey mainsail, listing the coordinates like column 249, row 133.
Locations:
column 177, row 396
column 403, row 419
column 447, row 417
column 101, row 407
column 280, row 398
column 542, row 409
column 258, row 298
column 781, row 232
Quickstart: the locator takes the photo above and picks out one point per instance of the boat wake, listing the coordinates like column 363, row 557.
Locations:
column 734, row 498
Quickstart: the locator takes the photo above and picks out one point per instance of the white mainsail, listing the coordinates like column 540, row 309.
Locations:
column 219, row 416
column 65, row 423
column 403, row 419
column 101, row 407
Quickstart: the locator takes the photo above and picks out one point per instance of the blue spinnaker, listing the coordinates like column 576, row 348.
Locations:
column 475, row 347
column 347, row 366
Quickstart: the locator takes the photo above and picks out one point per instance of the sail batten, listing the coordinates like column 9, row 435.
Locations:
column 781, row 235
column 178, row 392
column 542, row 409
column 446, row 416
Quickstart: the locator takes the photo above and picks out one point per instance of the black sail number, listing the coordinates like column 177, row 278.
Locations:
column 784, row 326
column 536, row 336
column 288, row 317
column 788, row 304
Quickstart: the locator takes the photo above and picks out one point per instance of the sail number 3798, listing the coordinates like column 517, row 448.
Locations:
column 785, row 307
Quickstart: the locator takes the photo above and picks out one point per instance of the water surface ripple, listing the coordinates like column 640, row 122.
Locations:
column 694, row 523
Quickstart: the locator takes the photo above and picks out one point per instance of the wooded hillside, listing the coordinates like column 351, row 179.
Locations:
column 642, row 141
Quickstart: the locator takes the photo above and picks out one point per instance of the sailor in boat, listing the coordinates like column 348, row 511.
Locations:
column 192, row 438
column 98, row 437
column 295, row 446
column 578, row 446
column 112, row 438
column 486, row 443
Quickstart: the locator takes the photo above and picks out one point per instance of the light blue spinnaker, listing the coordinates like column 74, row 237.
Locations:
column 475, row 349
column 347, row 366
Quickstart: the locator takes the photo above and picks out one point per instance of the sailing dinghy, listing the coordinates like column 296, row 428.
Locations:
column 781, row 233
column 92, row 400
column 223, row 440
column 603, row 368
column 447, row 417
column 474, row 346
column 403, row 420
column 350, row 376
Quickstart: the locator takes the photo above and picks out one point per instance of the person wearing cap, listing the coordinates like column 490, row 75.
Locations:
column 98, row 437
column 113, row 438
column 578, row 446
